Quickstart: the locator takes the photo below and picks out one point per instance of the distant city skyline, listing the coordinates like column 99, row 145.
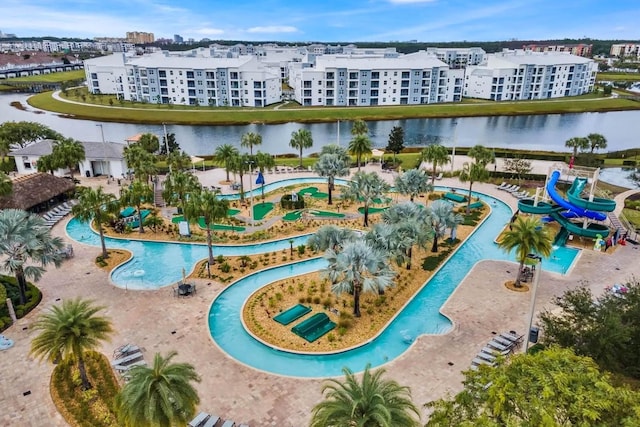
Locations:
column 328, row 21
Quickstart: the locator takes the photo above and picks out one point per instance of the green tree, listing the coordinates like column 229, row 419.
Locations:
column 596, row 142
column 6, row 185
column 577, row 143
column 442, row 218
column 169, row 141
column 68, row 153
column 264, row 161
column 472, row 172
column 330, row 237
column 98, row 206
column 178, row 161
column 137, row 194
column 553, row 387
column 410, row 226
column 332, row 165
column 149, row 142
column 301, row 139
column 47, row 164
column 224, row 155
column 177, row 188
column 360, row 146
column 161, row 395
column 20, row 134
column 359, row 128
column 396, row 141
column 437, row 155
column 374, row 402
column 358, row 268
column 250, row 140
column 207, row 206
column 527, row 236
column 140, row 161
column 26, row 247
column 412, row 183
column 481, row 155
column 367, row 188
column 70, row 330
column 241, row 164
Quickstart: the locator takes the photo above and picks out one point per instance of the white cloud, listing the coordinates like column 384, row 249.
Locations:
column 209, row 31
column 273, row 29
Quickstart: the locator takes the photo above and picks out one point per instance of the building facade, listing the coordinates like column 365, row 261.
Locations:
column 579, row 49
column 140, row 37
column 625, row 50
column 458, row 57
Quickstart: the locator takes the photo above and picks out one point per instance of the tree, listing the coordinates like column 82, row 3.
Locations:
column 481, row 155
column 359, row 128
column 169, row 141
column 68, row 153
column 70, row 330
column 330, row 237
column 437, row 155
column 577, row 143
column 358, row 268
column 366, row 187
column 177, row 188
column 360, row 146
column 412, row 183
column 6, row 185
column 596, row 142
column 161, row 395
column 527, row 236
column 374, row 402
column 178, row 161
column 140, row 161
column 443, row 217
column 410, row 226
column 396, row 141
column 20, row 134
column 517, row 166
column 25, row 241
column 472, row 172
column 332, row 165
column 224, row 155
column 301, row 139
column 47, row 164
column 553, row 387
column 207, row 206
column 264, row 161
column 241, row 164
column 98, row 206
column 149, row 142
column 136, row 195
column 250, row 140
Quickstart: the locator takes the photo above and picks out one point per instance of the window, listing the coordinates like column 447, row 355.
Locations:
column 26, row 162
column 171, row 72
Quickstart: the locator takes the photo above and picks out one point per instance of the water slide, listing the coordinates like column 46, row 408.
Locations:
column 577, row 186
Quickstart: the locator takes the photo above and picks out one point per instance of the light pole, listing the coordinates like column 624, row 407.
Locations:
column 250, row 163
column 104, row 153
column 532, row 304
column 166, row 144
column 338, row 132
column 453, row 151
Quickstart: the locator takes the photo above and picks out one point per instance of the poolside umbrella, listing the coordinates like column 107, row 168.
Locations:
column 260, row 181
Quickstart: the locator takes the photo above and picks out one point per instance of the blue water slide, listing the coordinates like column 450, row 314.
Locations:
column 551, row 190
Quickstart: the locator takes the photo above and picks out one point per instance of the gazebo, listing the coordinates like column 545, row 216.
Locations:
column 375, row 153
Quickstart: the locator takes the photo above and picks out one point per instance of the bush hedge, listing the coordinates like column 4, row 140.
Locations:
column 12, row 291
column 287, row 202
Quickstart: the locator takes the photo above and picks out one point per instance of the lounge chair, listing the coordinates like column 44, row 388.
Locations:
column 199, row 420
column 439, row 177
column 515, row 189
column 212, row 421
column 508, row 188
column 229, row 423
column 499, row 346
column 487, row 356
column 477, row 361
column 512, row 337
column 490, row 350
column 127, row 360
column 501, row 186
column 124, row 368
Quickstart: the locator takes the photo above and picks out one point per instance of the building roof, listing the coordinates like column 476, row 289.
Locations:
column 34, row 189
column 92, row 150
column 417, row 60
column 519, row 57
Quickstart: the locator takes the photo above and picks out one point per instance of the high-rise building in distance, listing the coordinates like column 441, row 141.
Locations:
column 139, row 37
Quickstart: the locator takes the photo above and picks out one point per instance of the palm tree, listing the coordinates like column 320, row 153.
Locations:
column 412, row 183
column 149, row 142
column 68, row 153
column 374, row 402
column 264, row 161
column 526, row 236
column 159, row 396
column 330, row 237
column 359, row 128
column 443, row 217
column 301, row 139
column 410, row 226
column 70, row 330
column 366, row 187
column 360, row 146
column 179, row 160
column 24, row 239
column 472, row 172
column 358, row 268
column 47, row 163
column 250, row 140
column 6, row 185
column 577, row 143
column 98, row 206
column 240, row 164
column 178, row 187
column 206, row 205
column 224, row 155
column 596, row 141
column 481, row 155
column 141, row 161
column 136, row 195
column 332, row 165
column 437, row 155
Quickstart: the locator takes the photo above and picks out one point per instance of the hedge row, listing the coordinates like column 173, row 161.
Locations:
column 287, row 202
column 10, row 286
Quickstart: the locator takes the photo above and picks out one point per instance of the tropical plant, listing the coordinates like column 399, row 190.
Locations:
column 358, row 268
column 24, row 241
column 412, row 183
column 481, row 155
column 368, row 188
column 178, row 161
column 96, row 205
column 177, row 188
column 68, row 153
column 359, row 127
column 332, row 165
column 206, row 205
column 161, row 395
column 137, row 194
column 140, row 161
column 437, row 155
column 149, row 142
column 241, row 164
column 396, row 141
column 153, row 221
column 250, row 140
column 169, row 141
column 264, row 161
column 47, row 164
column 409, row 226
column 527, row 236
column 20, row 134
column 6, row 185
column 596, row 142
column 360, row 146
column 577, row 143
column 224, row 155
column 301, row 139
column 330, row 237
column 472, row 172
column 373, row 402
column 443, row 217
column 70, row 330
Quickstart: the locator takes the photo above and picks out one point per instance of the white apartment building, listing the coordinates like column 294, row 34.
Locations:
column 459, row 57
column 625, row 49
column 343, row 80
column 185, row 79
column 518, row 74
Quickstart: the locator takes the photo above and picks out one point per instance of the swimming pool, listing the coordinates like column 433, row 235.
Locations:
column 281, row 184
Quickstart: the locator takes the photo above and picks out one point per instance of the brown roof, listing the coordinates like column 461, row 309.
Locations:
column 33, row 189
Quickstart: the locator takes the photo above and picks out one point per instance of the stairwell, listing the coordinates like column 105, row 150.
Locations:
column 158, row 200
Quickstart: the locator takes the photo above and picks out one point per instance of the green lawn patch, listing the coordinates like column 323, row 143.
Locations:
column 52, row 77
column 232, row 212
column 292, row 216
column 320, row 195
column 373, row 210
column 308, row 190
column 329, row 214
column 618, row 76
column 261, row 210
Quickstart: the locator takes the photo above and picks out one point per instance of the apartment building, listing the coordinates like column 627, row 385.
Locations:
column 458, row 57
column 185, row 80
column 140, row 37
column 518, row 74
column 625, row 50
column 360, row 80
column 580, row 49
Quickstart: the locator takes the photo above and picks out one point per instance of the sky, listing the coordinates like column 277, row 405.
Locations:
column 326, row 20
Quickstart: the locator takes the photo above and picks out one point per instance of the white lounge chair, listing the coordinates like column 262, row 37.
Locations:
column 212, row 421
column 499, row 346
column 508, row 187
column 514, row 190
column 502, row 186
column 439, row 177
column 487, row 356
column 477, row 361
column 199, row 420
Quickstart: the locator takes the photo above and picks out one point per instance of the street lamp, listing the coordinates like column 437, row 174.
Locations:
column 104, row 153
column 534, row 291
column 250, row 163
column 166, row 143
column 453, row 151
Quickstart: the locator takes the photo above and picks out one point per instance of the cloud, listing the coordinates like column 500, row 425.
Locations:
column 209, row 31
column 273, row 29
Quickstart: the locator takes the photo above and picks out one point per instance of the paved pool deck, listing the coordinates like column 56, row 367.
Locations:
column 158, row 322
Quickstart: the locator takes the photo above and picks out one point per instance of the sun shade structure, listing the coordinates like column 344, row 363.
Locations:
column 36, row 192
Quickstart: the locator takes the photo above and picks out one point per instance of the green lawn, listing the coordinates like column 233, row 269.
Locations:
column 618, row 76
column 51, row 78
column 633, row 216
column 261, row 210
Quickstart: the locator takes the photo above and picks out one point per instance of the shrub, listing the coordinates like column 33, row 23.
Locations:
column 301, row 249
column 220, row 259
column 309, row 299
column 279, row 296
column 225, row 268
column 342, row 331
column 286, row 202
column 344, row 323
column 326, row 303
column 316, row 300
column 331, row 338
column 302, row 300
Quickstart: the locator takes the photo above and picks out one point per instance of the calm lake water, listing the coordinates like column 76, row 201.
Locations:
column 538, row 132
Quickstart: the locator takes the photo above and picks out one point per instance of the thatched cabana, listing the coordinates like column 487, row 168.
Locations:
column 37, row 192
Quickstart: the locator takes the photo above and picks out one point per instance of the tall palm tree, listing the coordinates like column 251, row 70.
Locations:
column 250, row 140
column 596, row 142
column 330, row 237
column 137, row 194
column 331, row 166
column 178, row 161
column 25, row 241
column 48, row 164
column 577, row 143
column 224, row 155
column 360, row 146
column 161, row 395
column 443, row 217
column 358, row 268
column 437, row 155
column 70, row 330
column 6, row 185
column 374, row 402
column 367, row 188
column 301, row 139
column 178, row 187
column 241, row 164
column 472, row 172
column 264, row 161
column 412, row 183
column 359, row 128
column 68, row 153
column 205, row 204
column 481, row 155
column 98, row 206
column 410, row 226
column 526, row 236
column 140, row 161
